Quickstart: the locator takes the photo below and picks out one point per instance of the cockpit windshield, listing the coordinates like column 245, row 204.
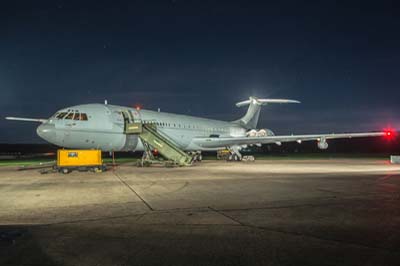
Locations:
column 69, row 115
column 73, row 115
column 61, row 115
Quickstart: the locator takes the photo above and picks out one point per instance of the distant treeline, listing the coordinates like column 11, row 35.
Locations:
column 355, row 145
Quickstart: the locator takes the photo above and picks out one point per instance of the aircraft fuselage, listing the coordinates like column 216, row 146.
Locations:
column 100, row 126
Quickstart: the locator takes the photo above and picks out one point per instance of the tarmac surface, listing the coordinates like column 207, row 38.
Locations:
column 277, row 212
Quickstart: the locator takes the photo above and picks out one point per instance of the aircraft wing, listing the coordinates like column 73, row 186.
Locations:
column 231, row 141
column 26, row 119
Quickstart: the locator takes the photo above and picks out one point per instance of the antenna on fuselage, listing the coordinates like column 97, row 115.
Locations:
column 105, row 102
column 158, row 110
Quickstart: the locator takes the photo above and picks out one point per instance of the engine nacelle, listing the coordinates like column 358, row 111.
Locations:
column 252, row 133
column 262, row 133
column 322, row 144
column 259, row 133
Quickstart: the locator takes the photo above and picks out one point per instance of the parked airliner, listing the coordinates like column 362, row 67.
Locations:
column 102, row 126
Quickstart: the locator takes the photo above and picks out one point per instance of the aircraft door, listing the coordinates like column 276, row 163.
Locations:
column 127, row 118
column 136, row 115
column 132, row 122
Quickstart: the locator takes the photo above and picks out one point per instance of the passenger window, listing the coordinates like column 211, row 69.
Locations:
column 77, row 116
column 69, row 116
column 84, row 117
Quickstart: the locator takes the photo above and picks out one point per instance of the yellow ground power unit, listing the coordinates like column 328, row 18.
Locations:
column 81, row 160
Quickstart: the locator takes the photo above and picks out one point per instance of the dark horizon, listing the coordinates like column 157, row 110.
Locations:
column 367, row 146
column 341, row 60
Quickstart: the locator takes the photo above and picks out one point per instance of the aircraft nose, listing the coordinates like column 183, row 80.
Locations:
column 47, row 132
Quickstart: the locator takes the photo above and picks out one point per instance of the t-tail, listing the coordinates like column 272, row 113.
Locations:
column 250, row 119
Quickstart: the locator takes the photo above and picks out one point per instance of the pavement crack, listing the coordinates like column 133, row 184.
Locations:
column 227, row 216
column 138, row 215
column 321, row 238
column 134, row 191
column 300, row 234
column 329, row 191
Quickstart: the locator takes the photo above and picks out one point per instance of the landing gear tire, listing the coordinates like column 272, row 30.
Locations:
column 234, row 158
column 197, row 157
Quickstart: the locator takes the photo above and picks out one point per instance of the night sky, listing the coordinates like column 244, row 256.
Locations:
column 340, row 59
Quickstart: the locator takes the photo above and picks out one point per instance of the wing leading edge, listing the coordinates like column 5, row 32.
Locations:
column 26, row 119
column 230, row 141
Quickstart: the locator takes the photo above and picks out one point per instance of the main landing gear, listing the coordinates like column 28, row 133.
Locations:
column 236, row 156
column 196, row 155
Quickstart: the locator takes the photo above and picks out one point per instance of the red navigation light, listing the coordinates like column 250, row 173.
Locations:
column 389, row 133
column 138, row 107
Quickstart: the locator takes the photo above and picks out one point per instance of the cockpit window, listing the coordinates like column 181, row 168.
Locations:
column 72, row 115
column 61, row 115
column 69, row 116
column 77, row 116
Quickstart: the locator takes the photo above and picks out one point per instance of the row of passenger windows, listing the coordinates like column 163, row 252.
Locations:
column 72, row 116
column 163, row 124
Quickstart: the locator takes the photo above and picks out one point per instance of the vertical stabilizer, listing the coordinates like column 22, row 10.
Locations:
column 250, row 119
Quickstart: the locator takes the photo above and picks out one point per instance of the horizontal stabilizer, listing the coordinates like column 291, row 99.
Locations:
column 264, row 101
column 26, row 119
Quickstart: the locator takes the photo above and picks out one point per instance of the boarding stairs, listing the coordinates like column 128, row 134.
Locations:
column 151, row 138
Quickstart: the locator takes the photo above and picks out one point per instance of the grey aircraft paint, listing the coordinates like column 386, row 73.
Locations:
column 101, row 126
